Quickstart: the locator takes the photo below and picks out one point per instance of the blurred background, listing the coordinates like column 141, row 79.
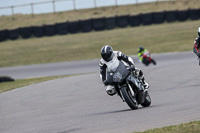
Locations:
column 35, row 32
column 48, row 6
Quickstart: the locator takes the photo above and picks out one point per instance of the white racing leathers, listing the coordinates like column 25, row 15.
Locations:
column 113, row 64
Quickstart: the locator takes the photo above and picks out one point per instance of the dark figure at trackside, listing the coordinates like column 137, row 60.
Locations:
column 110, row 59
column 196, row 45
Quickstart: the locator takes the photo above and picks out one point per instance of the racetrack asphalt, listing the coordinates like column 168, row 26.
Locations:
column 79, row 104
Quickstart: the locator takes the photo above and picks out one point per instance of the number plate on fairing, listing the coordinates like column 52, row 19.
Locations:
column 117, row 77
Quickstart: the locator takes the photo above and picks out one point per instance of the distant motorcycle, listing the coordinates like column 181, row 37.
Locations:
column 147, row 58
column 128, row 86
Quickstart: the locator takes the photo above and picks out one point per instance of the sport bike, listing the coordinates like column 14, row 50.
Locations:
column 147, row 58
column 128, row 86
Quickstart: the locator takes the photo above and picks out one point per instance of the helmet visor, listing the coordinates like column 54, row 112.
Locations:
column 107, row 57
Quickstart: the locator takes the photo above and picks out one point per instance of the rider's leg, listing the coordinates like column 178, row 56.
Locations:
column 141, row 77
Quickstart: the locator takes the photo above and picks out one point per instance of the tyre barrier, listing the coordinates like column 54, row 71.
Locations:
column 6, row 79
column 49, row 30
column 25, row 32
column 182, row 15
column 158, row 17
column 13, row 34
column 86, row 25
column 38, row 31
column 122, row 21
column 62, row 28
column 3, row 35
column 135, row 20
column 170, row 16
column 147, row 18
column 98, row 24
column 110, row 23
column 74, row 27
column 194, row 14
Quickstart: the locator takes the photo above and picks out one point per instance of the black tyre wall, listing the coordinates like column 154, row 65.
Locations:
column 182, row 15
column 25, row 32
column 122, row 21
column 38, row 31
column 86, row 25
column 98, row 24
column 6, row 79
column 74, row 27
column 49, row 30
column 147, row 18
column 194, row 14
column 158, row 17
column 171, row 16
column 110, row 23
column 3, row 35
column 135, row 20
column 13, row 34
column 62, row 28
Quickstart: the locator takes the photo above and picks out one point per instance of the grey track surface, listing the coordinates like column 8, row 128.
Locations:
column 79, row 104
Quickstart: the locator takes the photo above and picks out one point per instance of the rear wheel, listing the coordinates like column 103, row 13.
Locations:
column 147, row 100
column 153, row 61
column 130, row 100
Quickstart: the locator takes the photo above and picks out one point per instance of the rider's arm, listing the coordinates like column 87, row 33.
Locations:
column 125, row 58
column 196, row 46
column 102, row 70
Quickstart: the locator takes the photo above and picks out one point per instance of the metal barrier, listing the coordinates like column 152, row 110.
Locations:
column 51, row 6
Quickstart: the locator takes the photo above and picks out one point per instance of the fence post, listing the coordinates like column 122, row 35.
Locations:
column 12, row 9
column 116, row 3
column 54, row 8
column 95, row 4
column 74, row 4
column 32, row 9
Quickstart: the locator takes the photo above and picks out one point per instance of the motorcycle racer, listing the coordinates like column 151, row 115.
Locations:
column 197, row 44
column 110, row 59
column 141, row 51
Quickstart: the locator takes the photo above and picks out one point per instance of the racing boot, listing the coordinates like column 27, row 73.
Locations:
column 145, row 84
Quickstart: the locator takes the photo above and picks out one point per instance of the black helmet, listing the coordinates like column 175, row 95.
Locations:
column 107, row 53
column 140, row 49
column 198, row 31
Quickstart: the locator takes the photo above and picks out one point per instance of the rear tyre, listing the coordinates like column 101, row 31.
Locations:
column 153, row 61
column 147, row 100
column 130, row 100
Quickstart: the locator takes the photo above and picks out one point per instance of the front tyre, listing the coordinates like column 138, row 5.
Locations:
column 130, row 100
column 147, row 100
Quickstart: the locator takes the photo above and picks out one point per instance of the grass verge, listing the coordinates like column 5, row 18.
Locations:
column 6, row 86
column 191, row 127
column 167, row 37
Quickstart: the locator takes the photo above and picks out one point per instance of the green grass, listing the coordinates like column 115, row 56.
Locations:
column 191, row 127
column 6, row 86
column 167, row 37
column 11, row 22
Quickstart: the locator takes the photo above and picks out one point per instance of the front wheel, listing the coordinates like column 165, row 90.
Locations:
column 130, row 100
column 147, row 100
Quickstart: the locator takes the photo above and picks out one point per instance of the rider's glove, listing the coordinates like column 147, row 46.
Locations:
column 105, row 82
column 136, row 72
column 132, row 68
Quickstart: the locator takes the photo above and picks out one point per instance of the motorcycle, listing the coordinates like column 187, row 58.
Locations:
column 128, row 86
column 147, row 58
